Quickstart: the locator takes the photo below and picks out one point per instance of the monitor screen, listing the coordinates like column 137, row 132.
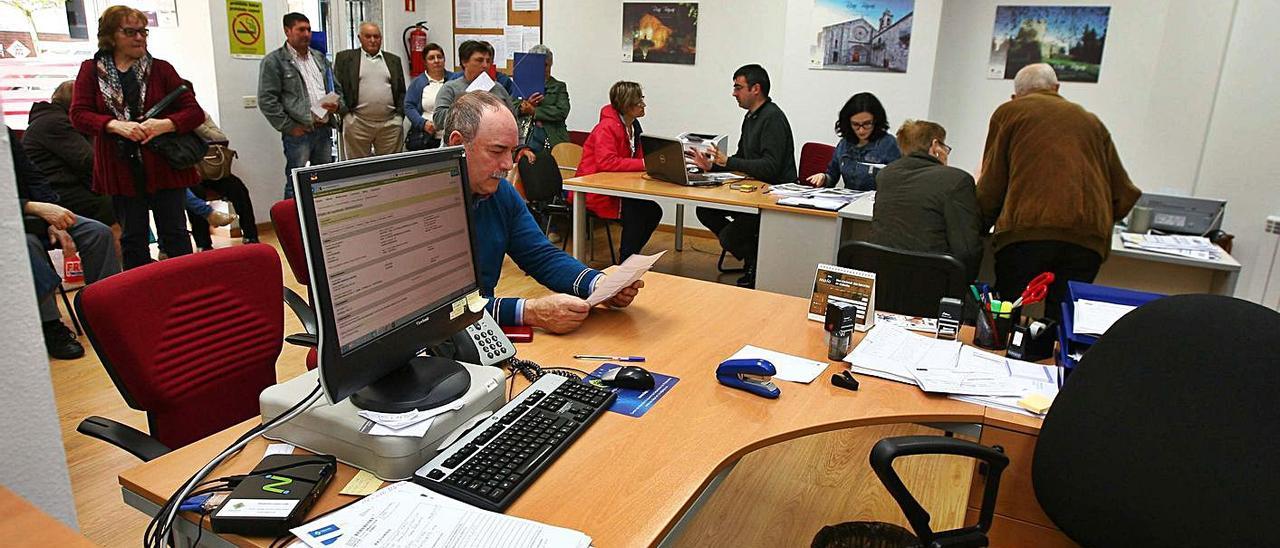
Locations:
column 389, row 243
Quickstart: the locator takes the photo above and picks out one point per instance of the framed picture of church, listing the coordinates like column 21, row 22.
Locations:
column 1068, row 38
column 660, row 32
column 861, row 35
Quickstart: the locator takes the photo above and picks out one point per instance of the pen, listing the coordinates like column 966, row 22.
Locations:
column 608, row 358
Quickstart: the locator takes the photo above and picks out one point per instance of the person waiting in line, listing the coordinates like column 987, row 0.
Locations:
column 924, row 205
column 202, row 215
column 475, row 57
column 547, row 127
column 113, row 89
column 614, row 145
column 766, row 151
column 865, row 145
column 484, row 126
column 420, row 100
column 372, row 81
column 65, row 157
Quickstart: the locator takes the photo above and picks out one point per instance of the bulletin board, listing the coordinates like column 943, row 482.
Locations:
column 501, row 23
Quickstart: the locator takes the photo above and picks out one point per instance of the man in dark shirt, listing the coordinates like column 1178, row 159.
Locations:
column 766, row 151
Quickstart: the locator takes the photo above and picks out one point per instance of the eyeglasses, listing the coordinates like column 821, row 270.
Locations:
column 945, row 146
column 134, row 32
column 863, row 125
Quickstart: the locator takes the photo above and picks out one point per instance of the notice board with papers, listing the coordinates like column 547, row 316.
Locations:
column 510, row 25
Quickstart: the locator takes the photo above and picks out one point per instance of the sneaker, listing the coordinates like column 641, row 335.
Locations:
column 60, row 342
column 218, row 218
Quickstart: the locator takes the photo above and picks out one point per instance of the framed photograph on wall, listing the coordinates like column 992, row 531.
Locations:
column 1069, row 38
column 861, row 35
column 660, row 32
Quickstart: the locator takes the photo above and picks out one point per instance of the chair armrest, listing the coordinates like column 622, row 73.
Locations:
column 303, row 339
column 302, row 309
column 123, row 436
column 888, row 449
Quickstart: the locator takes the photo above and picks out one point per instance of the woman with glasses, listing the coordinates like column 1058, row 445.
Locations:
column 614, row 145
column 112, row 92
column 924, row 205
column 865, row 145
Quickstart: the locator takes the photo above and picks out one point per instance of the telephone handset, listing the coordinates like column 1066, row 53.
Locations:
column 481, row 343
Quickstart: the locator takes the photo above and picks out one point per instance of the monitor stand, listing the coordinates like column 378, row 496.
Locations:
column 425, row 382
column 338, row 430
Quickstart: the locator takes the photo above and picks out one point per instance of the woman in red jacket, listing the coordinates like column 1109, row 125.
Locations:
column 112, row 91
column 614, row 145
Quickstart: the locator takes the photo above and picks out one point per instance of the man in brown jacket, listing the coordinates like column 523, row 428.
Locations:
column 1053, row 186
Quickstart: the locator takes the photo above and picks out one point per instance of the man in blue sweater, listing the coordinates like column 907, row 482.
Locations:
column 482, row 123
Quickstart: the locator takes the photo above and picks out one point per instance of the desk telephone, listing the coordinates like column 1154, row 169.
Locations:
column 481, row 343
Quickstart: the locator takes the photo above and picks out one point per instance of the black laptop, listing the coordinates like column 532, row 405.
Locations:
column 664, row 160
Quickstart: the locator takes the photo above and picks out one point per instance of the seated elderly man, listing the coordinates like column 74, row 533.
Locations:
column 482, row 123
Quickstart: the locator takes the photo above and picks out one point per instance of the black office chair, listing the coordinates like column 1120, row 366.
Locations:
column 1164, row 433
column 544, row 192
column 907, row 282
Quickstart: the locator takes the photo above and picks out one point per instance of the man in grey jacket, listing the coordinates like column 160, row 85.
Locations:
column 291, row 80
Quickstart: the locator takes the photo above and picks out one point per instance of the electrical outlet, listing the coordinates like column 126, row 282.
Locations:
column 1273, row 224
column 250, row 101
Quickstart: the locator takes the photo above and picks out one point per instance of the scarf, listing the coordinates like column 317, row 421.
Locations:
column 109, row 84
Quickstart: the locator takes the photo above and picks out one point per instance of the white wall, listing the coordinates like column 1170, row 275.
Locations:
column 187, row 47
column 35, row 462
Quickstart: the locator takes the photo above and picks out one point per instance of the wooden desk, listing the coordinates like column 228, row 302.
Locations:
column 653, row 469
column 793, row 240
column 23, row 524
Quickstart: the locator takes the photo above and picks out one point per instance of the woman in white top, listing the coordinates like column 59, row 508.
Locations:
column 421, row 97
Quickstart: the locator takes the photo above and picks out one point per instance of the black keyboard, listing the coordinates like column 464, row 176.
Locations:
column 495, row 462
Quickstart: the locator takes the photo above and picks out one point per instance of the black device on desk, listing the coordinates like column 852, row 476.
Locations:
column 1033, row 342
column 275, row 496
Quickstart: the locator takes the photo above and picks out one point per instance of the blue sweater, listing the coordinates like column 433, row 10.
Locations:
column 850, row 161
column 504, row 226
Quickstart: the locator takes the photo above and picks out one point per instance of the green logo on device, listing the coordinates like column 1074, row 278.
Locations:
column 276, row 487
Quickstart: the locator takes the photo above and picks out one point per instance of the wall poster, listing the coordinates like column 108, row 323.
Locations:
column 861, row 35
column 1069, row 38
column 660, row 32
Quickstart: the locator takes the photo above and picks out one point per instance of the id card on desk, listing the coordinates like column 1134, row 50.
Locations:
column 635, row 403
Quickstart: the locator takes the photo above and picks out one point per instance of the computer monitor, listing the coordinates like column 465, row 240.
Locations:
column 390, row 245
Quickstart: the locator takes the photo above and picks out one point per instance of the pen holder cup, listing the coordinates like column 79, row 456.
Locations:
column 984, row 337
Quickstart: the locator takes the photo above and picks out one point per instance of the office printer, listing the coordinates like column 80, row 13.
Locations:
column 1184, row 214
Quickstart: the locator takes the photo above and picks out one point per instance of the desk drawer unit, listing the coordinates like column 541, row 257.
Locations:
column 1019, row 521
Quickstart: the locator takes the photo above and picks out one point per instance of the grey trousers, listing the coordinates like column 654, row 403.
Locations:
column 97, row 249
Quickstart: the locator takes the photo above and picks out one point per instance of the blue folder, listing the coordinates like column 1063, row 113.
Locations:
column 529, row 74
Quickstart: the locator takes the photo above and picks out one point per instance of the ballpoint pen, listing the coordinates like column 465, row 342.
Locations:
column 608, row 358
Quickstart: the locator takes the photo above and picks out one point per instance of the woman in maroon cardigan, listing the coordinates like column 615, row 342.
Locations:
column 113, row 90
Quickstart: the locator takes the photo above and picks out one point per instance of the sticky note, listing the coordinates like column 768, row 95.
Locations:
column 278, row 449
column 475, row 302
column 458, row 307
column 363, row 484
column 1036, row 403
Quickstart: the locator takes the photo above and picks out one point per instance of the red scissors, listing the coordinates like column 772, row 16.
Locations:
column 1036, row 290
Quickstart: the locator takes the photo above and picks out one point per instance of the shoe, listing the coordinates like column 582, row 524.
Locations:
column 554, row 237
column 59, row 341
column 218, row 218
column 249, row 240
column 748, row 280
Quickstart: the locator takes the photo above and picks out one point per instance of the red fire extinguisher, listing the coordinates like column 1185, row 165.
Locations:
column 415, row 42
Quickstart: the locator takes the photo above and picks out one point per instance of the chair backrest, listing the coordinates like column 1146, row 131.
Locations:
column 1164, row 433
column 568, row 156
column 814, row 158
column 284, row 217
column 542, row 180
column 907, row 282
column 192, row 340
column 578, row 137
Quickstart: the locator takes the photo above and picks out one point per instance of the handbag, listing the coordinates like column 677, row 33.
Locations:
column 180, row 150
column 216, row 163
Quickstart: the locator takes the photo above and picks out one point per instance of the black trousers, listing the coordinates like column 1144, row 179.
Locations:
column 171, row 224
column 1017, row 264
column 85, row 203
column 739, row 233
column 639, row 219
column 233, row 189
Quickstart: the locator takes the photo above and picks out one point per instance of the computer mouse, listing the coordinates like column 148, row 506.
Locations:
column 630, row 377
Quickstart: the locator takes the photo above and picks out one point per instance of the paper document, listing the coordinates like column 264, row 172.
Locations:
column 318, row 110
column 891, row 352
column 1096, row 317
column 525, row 5
column 481, row 83
column 624, row 275
column 416, row 430
column 790, row 368
column 278, row 449
column 1195, row 247
column 828, row 204
column 979, row 373
column 791, row 189
column 912, row 323
column 401, row 420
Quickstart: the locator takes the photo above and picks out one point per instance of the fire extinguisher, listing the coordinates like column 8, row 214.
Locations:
column 415, row 42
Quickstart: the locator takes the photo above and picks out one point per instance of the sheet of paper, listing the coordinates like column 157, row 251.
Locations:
column 278, row 449
column 364, row 483
column 525, row 5
column 622, row 276
column 818, row 203
column 416, row 430
column 514, row 37
column 532, row 37
column 481, row 83
column 1096, row 317
column 318, row 110
column 979, row 373
column 891, row 352
column 480, row 14
column 911, row 323
column 790, row 368
column 401, row 420
column 327, row 529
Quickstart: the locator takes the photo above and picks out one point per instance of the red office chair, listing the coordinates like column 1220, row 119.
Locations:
column 578, row 137
column 814, row 158
column 284, row 216
column 191, row 341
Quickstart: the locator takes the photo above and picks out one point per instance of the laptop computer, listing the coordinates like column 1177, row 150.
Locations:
column 664, row 160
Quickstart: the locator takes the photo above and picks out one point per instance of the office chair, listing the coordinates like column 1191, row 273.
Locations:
column 544, row 190
column 191, row 341
column 907, row 282
column 568, row 156
column 814, row 158
column 578, row 137
column 284, row 217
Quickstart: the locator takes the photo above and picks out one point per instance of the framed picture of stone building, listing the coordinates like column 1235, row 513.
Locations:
column 1068, row 38
column 861, row 35
column 660, row 32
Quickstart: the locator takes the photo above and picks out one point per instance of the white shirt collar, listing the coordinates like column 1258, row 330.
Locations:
column 374, row 56
column 299, row 56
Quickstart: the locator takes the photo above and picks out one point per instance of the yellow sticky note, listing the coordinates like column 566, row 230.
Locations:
column 459, row 306
column 363, row 484
column 1036, row 403
column 475, row 302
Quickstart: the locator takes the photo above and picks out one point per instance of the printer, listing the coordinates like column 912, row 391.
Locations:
column 1184, row 214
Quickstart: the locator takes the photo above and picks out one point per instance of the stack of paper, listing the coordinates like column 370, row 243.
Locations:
column 1195, row 247
column 891, row 352
column 414, row 424
column 795, row 194
column 407, row 515
column 1096, row 317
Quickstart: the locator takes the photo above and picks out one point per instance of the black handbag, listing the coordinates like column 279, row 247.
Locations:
column 180, row 150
